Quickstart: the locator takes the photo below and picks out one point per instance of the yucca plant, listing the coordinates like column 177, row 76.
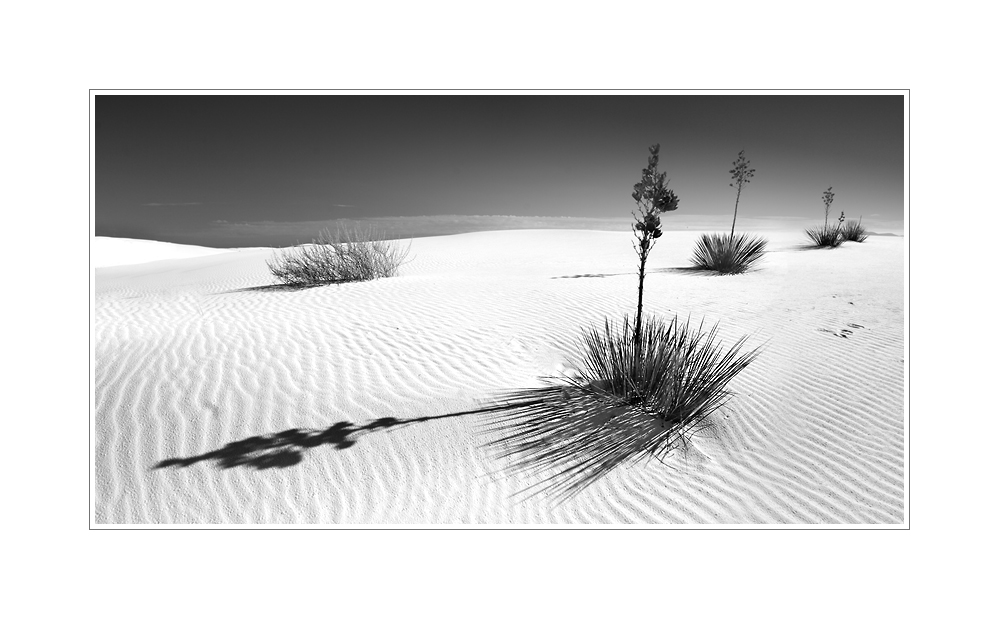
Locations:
column 827, row 236
column 728, row 254
column 652, row 196
column 827, row 199
column 854, row 231
column 637, row 389
column 619, row 406
column 742, row 174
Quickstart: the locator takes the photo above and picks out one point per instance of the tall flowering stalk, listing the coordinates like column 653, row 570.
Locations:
column 827, row 198
column 652, row 196
column 741, row 175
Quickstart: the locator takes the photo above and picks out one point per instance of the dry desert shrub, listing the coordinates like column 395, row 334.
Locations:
column 342, row 256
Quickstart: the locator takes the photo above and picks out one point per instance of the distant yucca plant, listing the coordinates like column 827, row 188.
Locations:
column 854, row 231
column 731, row 254
column 727, row 253
column 827, row 199
column 742, row 174
column 825, row 236
column 620, row 405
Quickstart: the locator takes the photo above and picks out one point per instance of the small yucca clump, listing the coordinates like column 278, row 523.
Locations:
column 854, row 231
column 728, row 254
column 622, row 403
column 679, row 377
column 336, row 258
column 825, row 236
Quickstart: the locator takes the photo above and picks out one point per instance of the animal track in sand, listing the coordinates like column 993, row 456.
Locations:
column 843, row 333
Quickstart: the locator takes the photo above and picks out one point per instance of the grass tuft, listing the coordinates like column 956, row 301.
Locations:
column 335, row 258
column 854, row 231
column 825, row 236
column 727, row 254
column 620, row 407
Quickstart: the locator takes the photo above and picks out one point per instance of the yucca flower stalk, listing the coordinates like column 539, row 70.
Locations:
column 827, row 198
column 652, row 196
column 741, row 175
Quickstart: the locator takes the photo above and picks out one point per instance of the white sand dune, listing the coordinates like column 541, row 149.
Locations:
column 198, row 352
column 112, row 251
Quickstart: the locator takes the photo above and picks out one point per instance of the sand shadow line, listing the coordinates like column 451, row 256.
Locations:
column 589, row 275
column 691, row 270
column 806, row 247
column 268, row 288
column 287, row 448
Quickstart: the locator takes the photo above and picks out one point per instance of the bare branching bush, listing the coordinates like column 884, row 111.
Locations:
column 341, row 256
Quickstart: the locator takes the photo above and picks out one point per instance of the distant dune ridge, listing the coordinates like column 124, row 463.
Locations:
column 288, row 233
column 223, row 399
column 110, row 251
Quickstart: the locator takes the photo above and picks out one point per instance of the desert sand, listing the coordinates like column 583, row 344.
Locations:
column 195, row 349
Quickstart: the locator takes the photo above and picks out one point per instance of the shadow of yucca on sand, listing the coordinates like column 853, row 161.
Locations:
column 623, row 405
column 619, row 408
column 287, row 448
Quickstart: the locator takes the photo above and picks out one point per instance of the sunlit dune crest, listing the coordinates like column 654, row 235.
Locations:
column 110, row 251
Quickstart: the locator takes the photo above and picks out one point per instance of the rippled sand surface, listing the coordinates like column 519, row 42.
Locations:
column 221, row 399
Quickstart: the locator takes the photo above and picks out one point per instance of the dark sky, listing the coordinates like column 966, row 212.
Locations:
column 189, row 168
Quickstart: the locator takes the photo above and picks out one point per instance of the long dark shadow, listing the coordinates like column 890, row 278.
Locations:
column 808, row 247
column 287, row 448
column 563, row 437
column 590, row 275
column 267, row 288
column 691, row 270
